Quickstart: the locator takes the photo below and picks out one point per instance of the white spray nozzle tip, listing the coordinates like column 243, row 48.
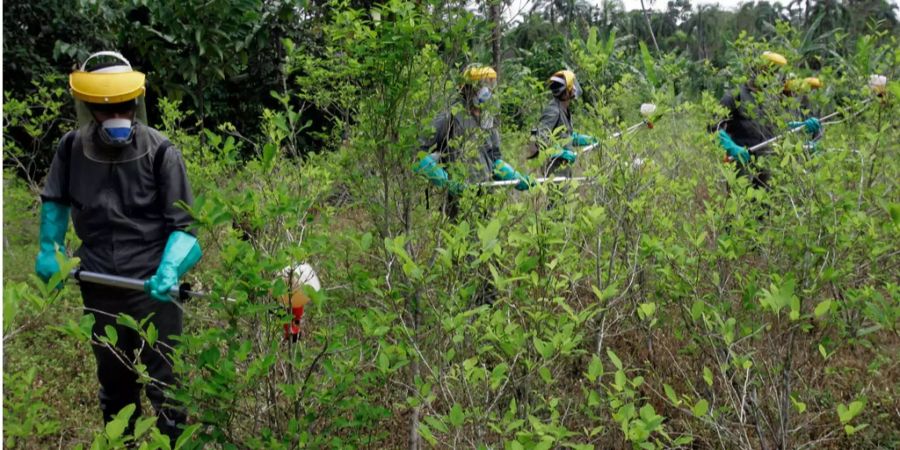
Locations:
column 877, row 81
column 647, row 109
column 302, row 274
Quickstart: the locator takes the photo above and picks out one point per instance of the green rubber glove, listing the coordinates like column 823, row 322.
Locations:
column 54, row 222
column 429, row 167
column 504, row 171
column 580, row 140
column 736, row 152
column 565, row 154
column 812, row 125
column 181, row 253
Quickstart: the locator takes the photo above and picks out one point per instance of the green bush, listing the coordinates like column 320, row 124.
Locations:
column 658, row 304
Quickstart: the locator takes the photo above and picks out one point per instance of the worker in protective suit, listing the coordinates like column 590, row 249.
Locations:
column 467, row 137
column 753, row 114
column 120, row 180
column 555, row 131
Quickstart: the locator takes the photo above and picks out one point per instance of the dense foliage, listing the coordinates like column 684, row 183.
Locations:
column 661, row 304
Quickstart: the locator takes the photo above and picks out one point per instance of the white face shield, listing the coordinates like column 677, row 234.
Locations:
column 576, row 91
column 487, row 103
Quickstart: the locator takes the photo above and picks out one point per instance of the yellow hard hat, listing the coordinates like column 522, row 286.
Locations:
column 475, row 73
column 774, row 58
column 564, row 81
column 806, row 83
column 111, row 84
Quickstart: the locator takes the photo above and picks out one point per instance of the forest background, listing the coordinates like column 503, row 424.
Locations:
column 651, row 308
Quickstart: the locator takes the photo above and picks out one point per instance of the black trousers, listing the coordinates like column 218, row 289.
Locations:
column 119, row 384
column 557, row 167
column 759, row 177
column 486, row 293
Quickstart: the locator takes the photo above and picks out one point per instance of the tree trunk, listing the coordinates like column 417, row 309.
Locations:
column 496, row 20
column 649, row 26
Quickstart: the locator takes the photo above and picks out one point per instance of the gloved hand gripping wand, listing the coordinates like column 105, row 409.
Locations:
column 770, row 141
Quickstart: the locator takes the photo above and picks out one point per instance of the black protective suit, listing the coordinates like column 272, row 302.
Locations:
column 123, row 209
column 748, row 125
column 460, row 138
column 555, row 115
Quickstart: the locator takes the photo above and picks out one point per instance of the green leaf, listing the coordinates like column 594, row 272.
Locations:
column 798, row 405
column 269, row 151
column 575, row 446
column 673, row 397
column 365, row 241
column 595, row 369
column 488, row 234
column 436, row 424
column 823, row 351
column 700, row 408
column 614, row 358
column 894, row 208
column 620, row 380
column 593, row 399
column 545, row 349
column 646, row 310
column 795, row 308
column 649, row 69
column 116, row 427
column 498, row 375
column 637, row 381
column 844, row 413
column 514, row 445
column 383, row 362
column 647, row 413
column 545, row 444
column 544, row 372
column 707, row 376
column 848, row 413
column 697, row 309
column 186, row 436
column 777, row 297
column 456, row 415
column 425, row 432
column 128, row 321
column 100, row 442
column 152, row 334
column 606, row 294
column 822, row 308
column 142, row 425
column 111, row 334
